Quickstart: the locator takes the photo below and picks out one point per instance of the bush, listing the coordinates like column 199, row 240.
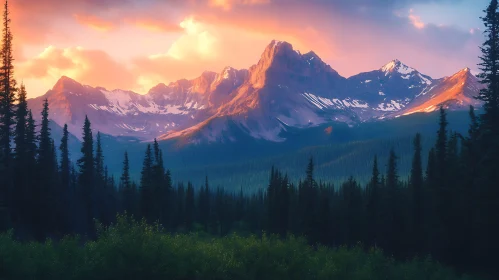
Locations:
column 136, row 250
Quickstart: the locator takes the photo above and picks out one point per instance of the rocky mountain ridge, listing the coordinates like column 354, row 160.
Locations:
column 284, row 89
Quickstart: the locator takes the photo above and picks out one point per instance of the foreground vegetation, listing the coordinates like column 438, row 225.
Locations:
column 133, row 250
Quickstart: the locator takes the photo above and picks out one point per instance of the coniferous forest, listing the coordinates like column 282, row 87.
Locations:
column 71, row 220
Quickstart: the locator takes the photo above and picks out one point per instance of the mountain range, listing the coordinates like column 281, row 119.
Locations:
column 284, row 90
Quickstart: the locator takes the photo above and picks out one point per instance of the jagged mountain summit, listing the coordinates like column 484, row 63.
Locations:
column 285, row 89
column 455, row 92
column 118, row 112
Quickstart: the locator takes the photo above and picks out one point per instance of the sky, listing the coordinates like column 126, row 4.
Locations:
column 136, row 44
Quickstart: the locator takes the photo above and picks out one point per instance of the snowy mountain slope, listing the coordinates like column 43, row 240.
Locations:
column 454, row 92
column 388, row 89
column 285, row 89
column 125, row 113
column 289, row 89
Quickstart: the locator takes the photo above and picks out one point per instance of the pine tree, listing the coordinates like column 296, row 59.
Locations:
column 489, row 67
column 310, row 173
column 65, row 165
column 394, row 224
column 284, row 208
column 204, row 205
column 45, row 146
column 7, row 92
column 146, row 192
column 45, row 175
column 417, row 194
column 86, row 175
column 31, row 196
column 125, row 175
column 99, row 159
column 189, row 206
column 20, row 130
column 373, row 205
column 31, row 142
column 20, row 160
column 7, row 98
column 441, row 147
column 126, row 187
column 487, row 194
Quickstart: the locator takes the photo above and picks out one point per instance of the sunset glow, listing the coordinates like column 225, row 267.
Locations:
column 138, row 44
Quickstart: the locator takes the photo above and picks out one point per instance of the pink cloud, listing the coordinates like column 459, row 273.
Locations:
column 93, row 67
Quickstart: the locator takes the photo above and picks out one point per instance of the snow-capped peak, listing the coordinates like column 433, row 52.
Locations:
column 396, row 65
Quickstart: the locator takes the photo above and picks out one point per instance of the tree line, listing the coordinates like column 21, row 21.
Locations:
column 450, row 210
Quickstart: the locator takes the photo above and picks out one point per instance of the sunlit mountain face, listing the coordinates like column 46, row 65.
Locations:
column 284, row 89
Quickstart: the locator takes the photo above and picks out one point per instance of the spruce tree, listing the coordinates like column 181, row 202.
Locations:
column 310, row 173
column 147, row 199
column 395, row 221
column 126, row 187
column 189, row 206
column 20, row 129
column 99, row 159
column 7, row 93
column 31, row 196
column 31, row 141
column 489, row 67
column 125, row 175
column 486, row 215
column 45, row 142
column 65, row 165
column 45, row 175
column 7, row 98
column 417, row 195
column 20, row 159
column 441, row 147
column 86, row 176
column 374, row 196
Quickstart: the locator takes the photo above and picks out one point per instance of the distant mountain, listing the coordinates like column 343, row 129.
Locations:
column 455, row 92
column 285, row 90
column 126, row 113
column 388, row 89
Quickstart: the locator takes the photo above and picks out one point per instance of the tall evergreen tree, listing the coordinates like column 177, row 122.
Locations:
column 31, row 141
column 489, row 67
column 7, row 98
column 7, row 90
column 99, row 159
column 417, row 195
column 20, row 163
column 147, row 199
column 126, row 187
column 45, row 141
column 65, row 165
column 486, row 216
column 394, row 216
column 86, row 176
column 189, row 206
column 374, row 196
column 441, row 147
column 20, row 130
column 45, row 175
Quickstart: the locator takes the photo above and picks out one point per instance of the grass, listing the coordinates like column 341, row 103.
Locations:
column 135, row 250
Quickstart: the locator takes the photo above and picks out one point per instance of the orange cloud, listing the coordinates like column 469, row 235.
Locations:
column 228, row 4
column 202, row 47
column 92, row 67
column 94, row 22
column 155, row 25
